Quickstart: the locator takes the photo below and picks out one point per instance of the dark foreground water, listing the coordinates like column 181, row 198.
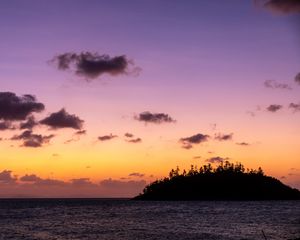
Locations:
column 125, row 219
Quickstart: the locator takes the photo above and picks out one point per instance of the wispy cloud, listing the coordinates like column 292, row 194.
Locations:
column 276, row 85
column 136, row 174
column 223, row 137
column 135, row 140
column 216, row 159
column 243, row 144
column 107, row 137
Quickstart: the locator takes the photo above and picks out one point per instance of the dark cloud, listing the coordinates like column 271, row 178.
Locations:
column 195, row 139
column 32, row 140
column 6, row 177
column 62, row 119
column 107, row 137
column 80, row 132
column 81, row 181
column 92, row 65
column 297, row 78
column 243, row 144
column 223, row 137
column 31, row 185
column 6, row 125
column 283, row 6
column 275, row 85
column 29, row 124
column 156, row 118
column 197, row 157
column 15, row 108
column 136, row 174
column 129, row 135
column 135, row 140
column 50, row 182
column 274, row 108
column 30, row 178
column 216, row 160
column 295, row 107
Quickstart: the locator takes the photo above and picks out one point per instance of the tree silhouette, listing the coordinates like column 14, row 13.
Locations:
column 227, row 181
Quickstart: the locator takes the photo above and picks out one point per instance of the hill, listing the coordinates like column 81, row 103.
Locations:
column 227, row 181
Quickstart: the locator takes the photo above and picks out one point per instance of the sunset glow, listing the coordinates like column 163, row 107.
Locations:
column 145, row 86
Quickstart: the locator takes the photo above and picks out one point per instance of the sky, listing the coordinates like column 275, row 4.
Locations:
column 100, row 98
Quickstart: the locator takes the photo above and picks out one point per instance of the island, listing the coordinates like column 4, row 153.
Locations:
column 227, row 181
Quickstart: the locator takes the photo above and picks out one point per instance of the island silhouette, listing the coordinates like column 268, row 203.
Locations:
column 226, row 181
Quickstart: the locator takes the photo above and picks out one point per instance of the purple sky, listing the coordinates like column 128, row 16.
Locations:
column 202, row 62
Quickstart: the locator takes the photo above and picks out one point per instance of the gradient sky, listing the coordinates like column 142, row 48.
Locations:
column 204, row 63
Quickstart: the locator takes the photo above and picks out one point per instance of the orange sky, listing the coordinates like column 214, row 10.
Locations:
column 213, row 69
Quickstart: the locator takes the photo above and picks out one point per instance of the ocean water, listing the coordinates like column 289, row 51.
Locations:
column 77, row 219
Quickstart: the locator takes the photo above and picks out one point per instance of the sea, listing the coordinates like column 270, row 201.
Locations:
column 122, row 219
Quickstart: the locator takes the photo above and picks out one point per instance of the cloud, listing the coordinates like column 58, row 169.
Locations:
column 195, row 139
column 297, row 78
column 32, row 140
column 274, row 108
column 6, row 177
column 62, row 119
column 136, row 174
column 216, row 159
column 275, row 85
column 223, row 137
column 15, row 108
column 187, row 146
column 76, row 136
column 283, row 6
column 29, row 124
column 243, row 144
column 197, row 157
column 92, row 65
column 156, row 118
column 50, row 182
column 6, row 125
column 30, row 178
column 81, row 182
column 135, row 140
column 295, row 107
column 31, row 185
column 107, row 137
column 129, row 135
column 80, row 132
